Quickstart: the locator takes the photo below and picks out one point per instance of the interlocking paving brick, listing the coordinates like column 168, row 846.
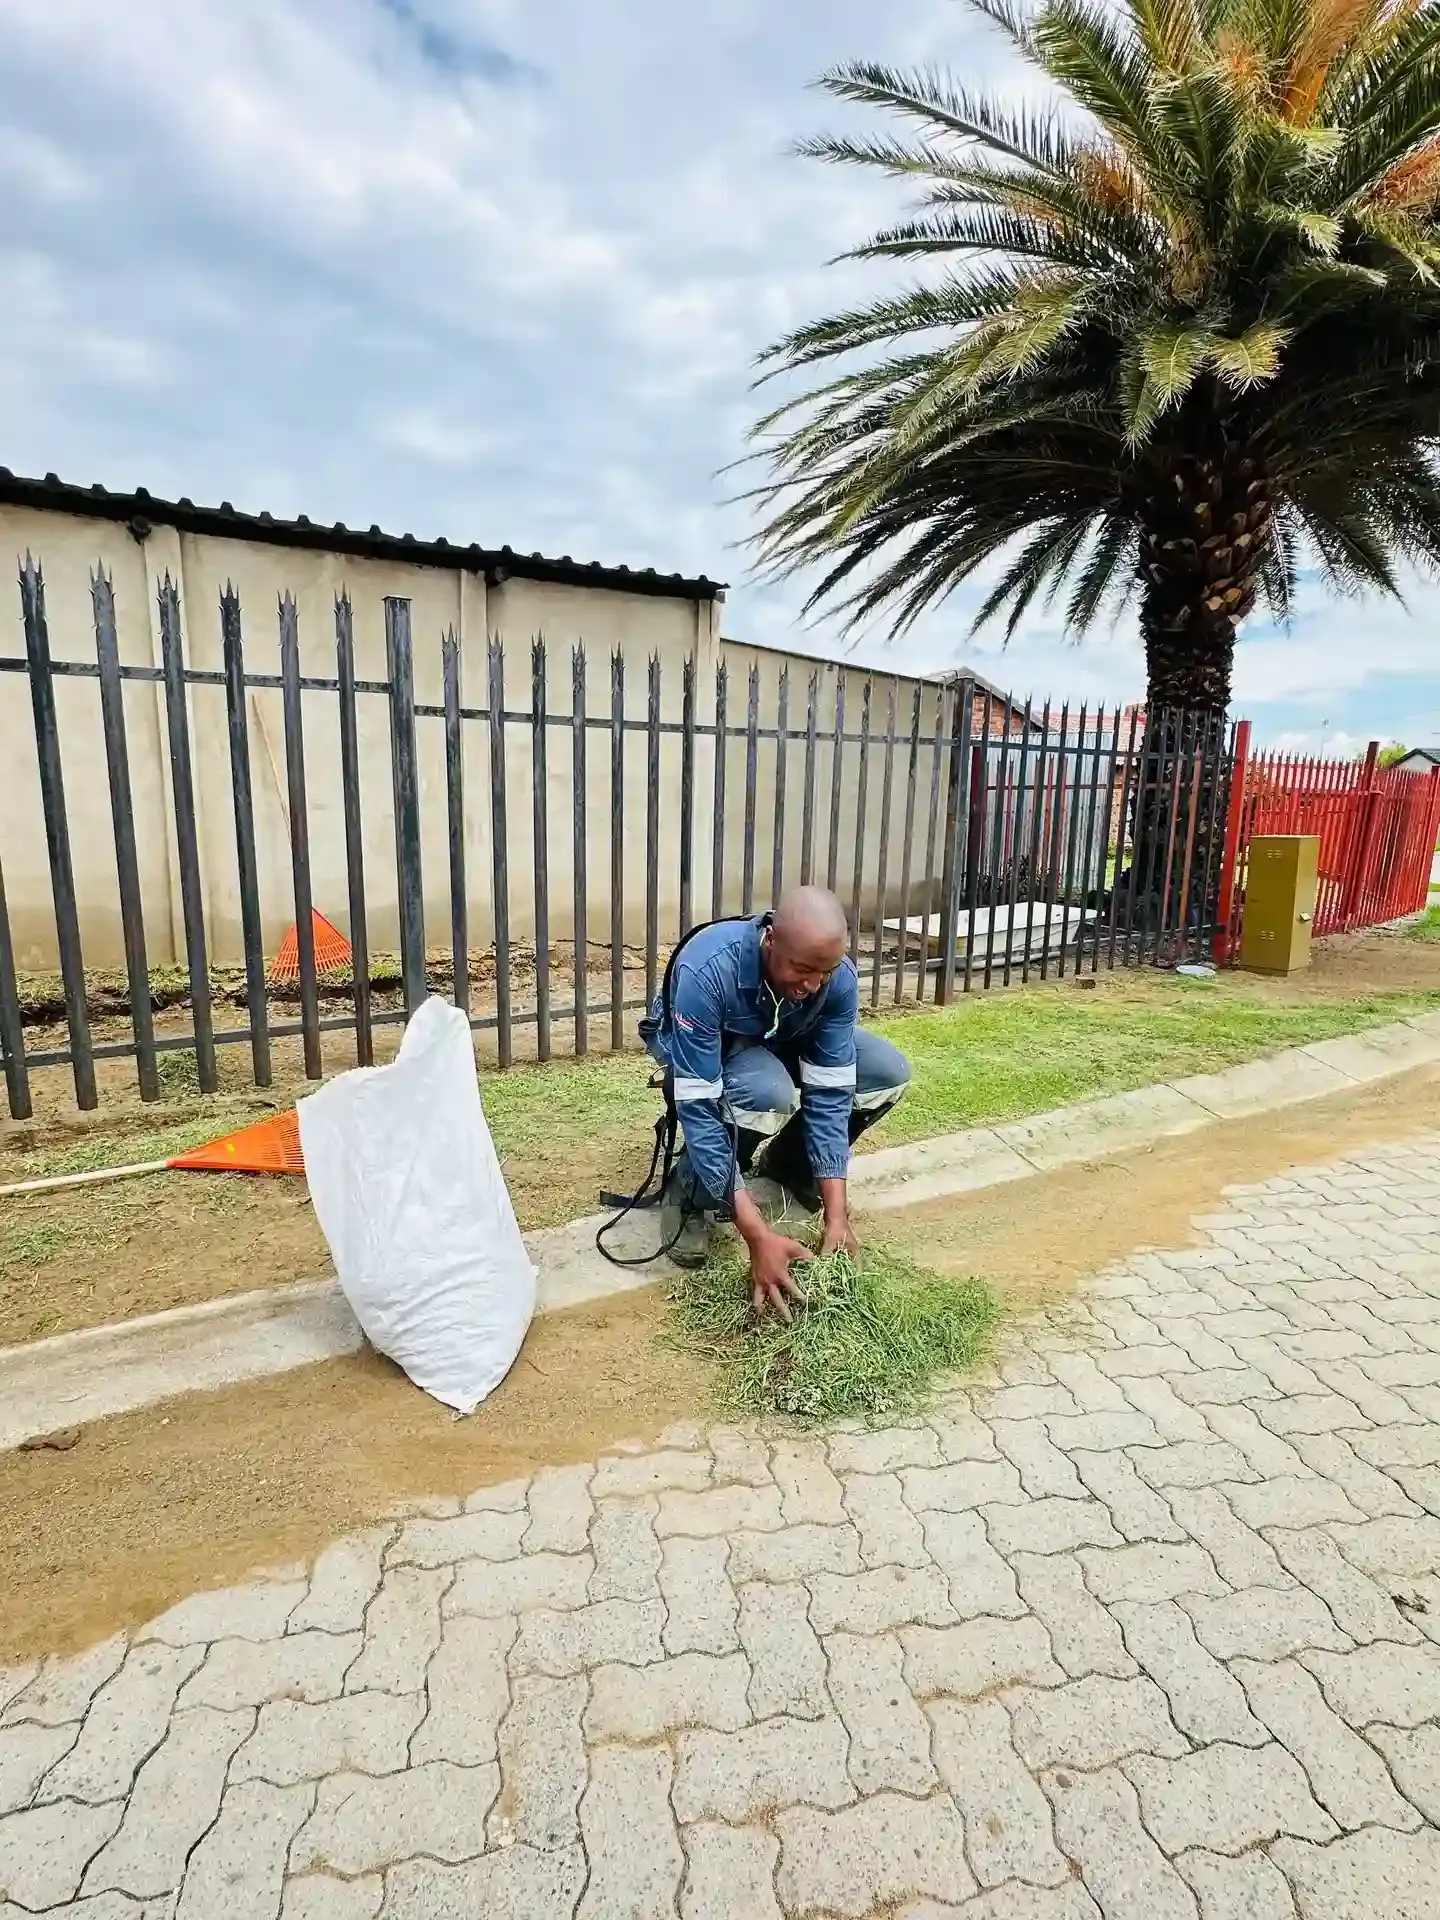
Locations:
column 1399, row 1685
column 126, row 1721
column 1333, row 1455
column 361, row 1824
column 175, row 1798
column 293, row 1741
column 1007, row 1817
column 1261, row 1623
column 1025, row 1403
column 566, row 1643
column 1206, row 1699
column 1138, row 1512
column 1190, row 1463
column 884, row 1450
column 886, row 1849
column 1103, row 1432
column 518, row 1881
column 889, row 1735
column 720, row 1510
column 774, row 1763
column 560, row 1509
column 322, row 1896
column 343, row 1581
column 875, row 1601
column 1421, row 1488
column 1364, row 1876
column 1360, row 1608
column 1149, row 1571
column 468, row 1692
column 1247, row 1888
column 646, row 1703
column 493, row 1589
column 1268, row 1455
column 890, row 1534
column 1309, row 1413
column 627, row 1553
column 1287, row 1502
column 740, row 1458
column 1173, row 1420
column 1092, row 1390
column 63, row 1688
column 792, row 1554
column 1414, row 1757
column 27, row 1753
column 238, row 1868
column 730, row 1873
column 700, row 1604
column 958, row 1488
column 810, row 1494
column 1405, row 1446
column 247, row 1673
column 962, row 1434
column 1045, row 1472
column 1222, row 1386
column 257, row 1611
column 1092, row 1723
column 787, row 1664
column 542, row 1764
column 1097, row 1823
column 978, row 1579
column 977, row 1657
column 466, row 1536
column 402, row 1631
column 1227, row 1799
column 1394, row 1548
column 1083, row 1635
column 1050, row 1526
column 1346, row 1776
column 669, row 1470
column 1142, row 1360
column 630, row 1839
column 44, row 1851
column 1240, row 1554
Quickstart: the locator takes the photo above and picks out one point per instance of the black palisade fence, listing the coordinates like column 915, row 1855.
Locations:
column 974, row 840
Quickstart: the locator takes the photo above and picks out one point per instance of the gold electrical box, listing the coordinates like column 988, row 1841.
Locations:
column 1280, row 886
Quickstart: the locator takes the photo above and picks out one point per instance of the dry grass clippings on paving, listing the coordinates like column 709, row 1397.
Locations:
column 872, row 1338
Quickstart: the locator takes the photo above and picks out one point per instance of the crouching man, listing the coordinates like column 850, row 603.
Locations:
column 771, row 1070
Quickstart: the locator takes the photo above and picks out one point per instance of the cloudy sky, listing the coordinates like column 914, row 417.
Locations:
column 497, row 269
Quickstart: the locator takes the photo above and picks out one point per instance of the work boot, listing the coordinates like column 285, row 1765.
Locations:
column 683, row 1223
column 785, row 1162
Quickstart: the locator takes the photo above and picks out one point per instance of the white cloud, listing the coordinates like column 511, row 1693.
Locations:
column 496, row 269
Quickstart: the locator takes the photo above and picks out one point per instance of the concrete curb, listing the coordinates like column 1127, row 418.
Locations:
column 78, row 1377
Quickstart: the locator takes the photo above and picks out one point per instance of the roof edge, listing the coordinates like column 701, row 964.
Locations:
column 142, row 510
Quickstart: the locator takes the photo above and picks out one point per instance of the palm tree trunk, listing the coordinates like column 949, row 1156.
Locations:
column 1204, row 522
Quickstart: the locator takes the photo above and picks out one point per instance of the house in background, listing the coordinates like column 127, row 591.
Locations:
column 1418, row 760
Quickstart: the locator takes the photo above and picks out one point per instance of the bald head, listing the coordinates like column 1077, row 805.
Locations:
column 806, row 942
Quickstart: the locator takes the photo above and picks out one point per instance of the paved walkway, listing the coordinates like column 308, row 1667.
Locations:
column 1146, row 1627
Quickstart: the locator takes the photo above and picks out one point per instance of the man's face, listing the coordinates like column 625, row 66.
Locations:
column 798, row 967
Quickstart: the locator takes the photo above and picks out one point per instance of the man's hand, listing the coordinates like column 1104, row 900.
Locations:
column 839, row 1235
column 772, row 1285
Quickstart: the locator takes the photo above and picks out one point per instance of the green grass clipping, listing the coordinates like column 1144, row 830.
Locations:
column 872, row 1339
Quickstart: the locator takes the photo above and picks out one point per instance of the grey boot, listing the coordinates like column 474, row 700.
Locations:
column 683, row 1222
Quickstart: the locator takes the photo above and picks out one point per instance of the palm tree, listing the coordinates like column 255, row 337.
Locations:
column 1183, row 340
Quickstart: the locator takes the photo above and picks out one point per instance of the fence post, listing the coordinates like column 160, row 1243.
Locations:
column 12, row 1032
column 687, row 794
column 57, row 831
column 122, row 816
column 499, row 849
column 962, row 720
column 400, row 664
column 540, row 839
column 1235, row 813
column 299, row 837
column 354, row 836
column 455, row 823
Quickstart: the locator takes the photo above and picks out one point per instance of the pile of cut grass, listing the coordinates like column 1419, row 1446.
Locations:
column 872, row 1338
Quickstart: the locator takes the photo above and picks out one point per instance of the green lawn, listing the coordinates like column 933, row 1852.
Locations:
column 566, row 1129
column 1427, row 927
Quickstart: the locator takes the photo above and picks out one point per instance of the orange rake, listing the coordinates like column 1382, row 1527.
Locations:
column 269, row 1146
column 333, row 954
